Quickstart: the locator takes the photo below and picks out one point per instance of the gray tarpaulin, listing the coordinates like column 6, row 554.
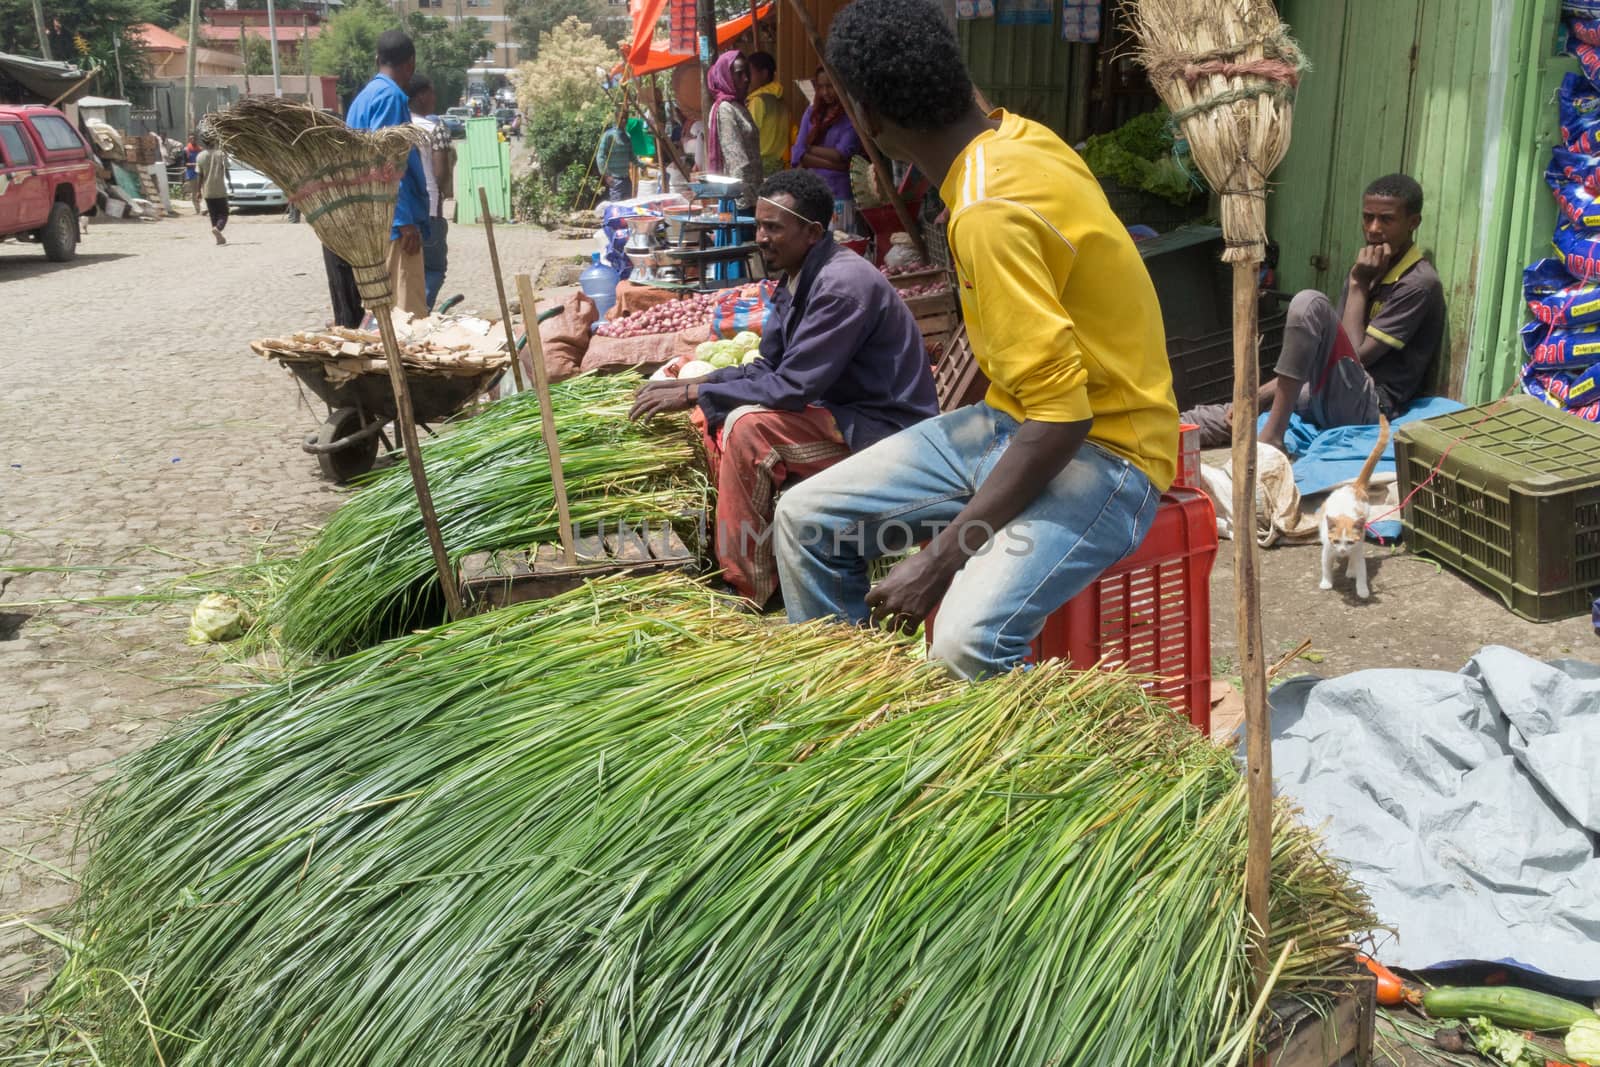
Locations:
column 1468, row 804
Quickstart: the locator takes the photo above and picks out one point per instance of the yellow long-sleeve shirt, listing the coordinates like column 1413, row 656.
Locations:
column 772, row 120
column 1059, row 308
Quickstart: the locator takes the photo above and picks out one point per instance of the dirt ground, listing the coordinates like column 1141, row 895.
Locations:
column 141, row 440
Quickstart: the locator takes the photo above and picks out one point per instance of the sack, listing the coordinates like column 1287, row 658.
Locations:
column 1587, row 56
column 1579, row 251
column 632, row 298
column 1579, row 110
column 1564, row 390
column 1585, row 30
column 1567, row 167
column 565, row 338
column 1561, row 347
column 747, row 310
column 616, row 354
column 1577, row 205
column 1557, row 299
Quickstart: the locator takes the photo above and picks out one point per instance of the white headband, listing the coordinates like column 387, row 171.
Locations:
column 790, row 210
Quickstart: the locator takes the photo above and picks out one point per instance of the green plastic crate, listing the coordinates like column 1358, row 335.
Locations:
column 1515, row 504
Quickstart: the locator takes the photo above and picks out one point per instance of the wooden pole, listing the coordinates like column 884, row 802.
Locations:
column 1247, row 615
column 76, row 86
column 755, row 26
column 188, row 75
column 500, row 290
column 552, row 447
column 419, row 478
column 44, row 36
column 885, row 175
column 662, row 140
column 272, row 42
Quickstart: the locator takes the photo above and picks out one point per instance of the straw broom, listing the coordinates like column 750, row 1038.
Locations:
column 345, row 182
column 1228, row 70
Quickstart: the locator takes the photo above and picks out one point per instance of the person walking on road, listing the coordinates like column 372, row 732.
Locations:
column 214, row 187
column 438, row 165
column 191, row 171
column 381, row 104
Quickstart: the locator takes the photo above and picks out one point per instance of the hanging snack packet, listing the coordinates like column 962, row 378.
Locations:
column 1581, row 9
column 1557, row 299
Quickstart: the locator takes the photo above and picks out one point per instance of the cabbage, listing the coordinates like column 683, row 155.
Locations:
column 217, row 618
column 746, row 340
column 705, row 350
column 725, row 353
column 695, row 368
column 751, row 356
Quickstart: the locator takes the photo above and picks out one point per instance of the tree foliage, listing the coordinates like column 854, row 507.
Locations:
column 347, row 47
column 532, row 19
column 562, row 77
column 82, row 32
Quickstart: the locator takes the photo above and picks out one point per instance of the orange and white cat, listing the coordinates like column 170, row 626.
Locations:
column 1343, row 520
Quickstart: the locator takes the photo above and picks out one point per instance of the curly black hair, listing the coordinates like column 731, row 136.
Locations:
column 1401, row 187
column 901, row 59
column 812, row 199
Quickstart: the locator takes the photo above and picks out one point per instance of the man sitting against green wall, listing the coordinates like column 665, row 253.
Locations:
column 1344, row 365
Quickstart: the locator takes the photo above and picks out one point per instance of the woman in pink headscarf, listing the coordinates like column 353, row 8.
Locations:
column 733, row 143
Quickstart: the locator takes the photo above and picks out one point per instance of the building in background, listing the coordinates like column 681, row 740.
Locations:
column 296, row 28
column 168, row 54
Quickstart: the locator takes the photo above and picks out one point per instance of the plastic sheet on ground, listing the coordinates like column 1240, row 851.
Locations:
column 1468, row 804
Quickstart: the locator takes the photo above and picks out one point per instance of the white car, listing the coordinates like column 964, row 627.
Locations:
column 250, row 188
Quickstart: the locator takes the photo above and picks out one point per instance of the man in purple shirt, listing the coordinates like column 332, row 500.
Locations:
column 384, row 102
column 842, row 367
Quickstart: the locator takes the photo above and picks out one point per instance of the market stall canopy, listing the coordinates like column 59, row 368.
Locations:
column 654, row 56
column 44, row 79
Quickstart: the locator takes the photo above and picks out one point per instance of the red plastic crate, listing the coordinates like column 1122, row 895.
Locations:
column 1151, row 613
column 884, row 222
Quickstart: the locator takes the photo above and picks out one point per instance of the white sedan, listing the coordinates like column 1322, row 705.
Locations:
column 250, row 188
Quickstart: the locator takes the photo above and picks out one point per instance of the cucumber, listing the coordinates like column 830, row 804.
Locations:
column 1519, row 1009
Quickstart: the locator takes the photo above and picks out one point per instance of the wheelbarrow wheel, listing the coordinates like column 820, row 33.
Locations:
column 343, row 464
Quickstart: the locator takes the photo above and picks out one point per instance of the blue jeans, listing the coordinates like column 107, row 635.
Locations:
column 435, row 257
column 904, row 489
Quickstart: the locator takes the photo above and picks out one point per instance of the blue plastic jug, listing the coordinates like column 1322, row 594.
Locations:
column 599, row 283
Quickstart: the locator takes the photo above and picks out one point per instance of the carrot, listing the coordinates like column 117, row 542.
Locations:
column 1392, row 992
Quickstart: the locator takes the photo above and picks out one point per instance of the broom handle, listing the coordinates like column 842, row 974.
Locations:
column 541, row 382
column 1247, row 613
column 419, row 478
column 885, row 175
column 500, row 289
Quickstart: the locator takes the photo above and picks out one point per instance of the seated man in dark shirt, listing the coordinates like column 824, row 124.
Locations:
column 842, row 366
column 1344, row 366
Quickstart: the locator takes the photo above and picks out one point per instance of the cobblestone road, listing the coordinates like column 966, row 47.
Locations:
column 140, row 440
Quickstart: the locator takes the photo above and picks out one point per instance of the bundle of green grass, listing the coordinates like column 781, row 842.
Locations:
column 635, row 826
column 369, row 576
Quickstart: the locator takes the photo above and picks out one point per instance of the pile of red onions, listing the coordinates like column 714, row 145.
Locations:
column 670, row 317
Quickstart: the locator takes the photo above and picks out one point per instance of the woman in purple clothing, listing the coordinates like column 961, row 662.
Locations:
column 825, row 147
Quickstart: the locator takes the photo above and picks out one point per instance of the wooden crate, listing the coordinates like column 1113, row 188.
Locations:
column 494, row 579
column 1296, row 1036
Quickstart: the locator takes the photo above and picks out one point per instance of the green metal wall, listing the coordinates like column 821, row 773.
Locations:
column 1030, row 70
column 1409, row 85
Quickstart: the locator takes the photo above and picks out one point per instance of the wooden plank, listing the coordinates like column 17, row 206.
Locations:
column 547, row 557
column 631, row 547
column 590, row 548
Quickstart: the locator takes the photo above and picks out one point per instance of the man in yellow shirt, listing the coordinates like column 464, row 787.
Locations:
column 766, row 107
column 1024, row 499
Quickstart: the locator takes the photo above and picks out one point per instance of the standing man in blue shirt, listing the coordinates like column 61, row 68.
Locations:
column 381, row 104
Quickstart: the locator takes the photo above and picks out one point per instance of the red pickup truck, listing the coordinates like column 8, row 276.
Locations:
column 46, row 179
